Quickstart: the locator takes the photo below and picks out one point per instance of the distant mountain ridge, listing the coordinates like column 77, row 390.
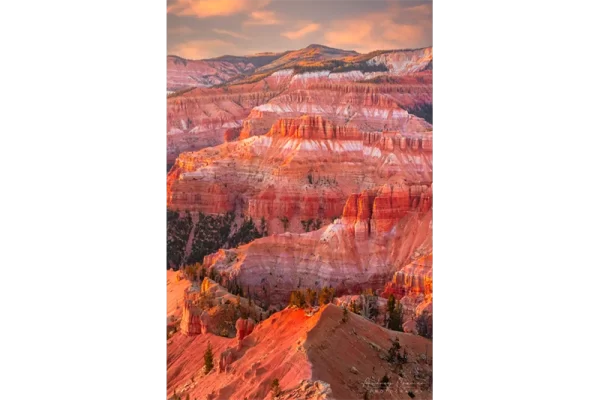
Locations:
column 184, row 73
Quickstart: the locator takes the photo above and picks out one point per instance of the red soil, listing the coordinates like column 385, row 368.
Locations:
column 293, row 346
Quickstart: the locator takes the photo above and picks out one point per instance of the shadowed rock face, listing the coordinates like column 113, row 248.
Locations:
column 182, row 73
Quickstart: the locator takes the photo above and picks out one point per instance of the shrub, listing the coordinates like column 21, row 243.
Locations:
column 411, row 395
column 345, row 315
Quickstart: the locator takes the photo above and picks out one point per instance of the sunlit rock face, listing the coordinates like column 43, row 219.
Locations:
column 361, row 250
column 371, row 101
column 205, row 117
column 299, row 175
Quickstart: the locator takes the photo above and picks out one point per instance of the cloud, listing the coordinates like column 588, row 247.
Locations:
column 397, row 28
column 263, row 18
column 230, row 33
column 201, row 49
column 302, row 32
column 211, row 8
column 179, row 30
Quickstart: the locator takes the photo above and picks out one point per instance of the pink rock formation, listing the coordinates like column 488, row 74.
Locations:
column 304, row 169
column 231, row 134
column 369, row 101
column 194, row 320
column 413, row 285
column 182, row 73
column 244, row 327
column 225, row 359
column 413, row 278
column 200, row 117
column 340, row 255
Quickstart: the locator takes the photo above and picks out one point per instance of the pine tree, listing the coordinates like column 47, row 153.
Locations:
column 208, row 358
column 345, row 315
column 311, row 297
column 384, row 383
column 391, row 304
column 325, row 295
column 394, row 351
column 395, row 322
column 275, row 389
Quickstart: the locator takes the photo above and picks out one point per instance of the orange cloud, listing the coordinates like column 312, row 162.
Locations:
column 211, row 8
column 177, row 30
column 230, row 33
column 263, row 18
column 201, row 49
column 302, row 32
column 378, row 31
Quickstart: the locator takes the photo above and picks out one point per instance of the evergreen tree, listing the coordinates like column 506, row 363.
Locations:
column 311, row 297
column 395, row 322
column 275, row 389
column 325, row 295
column 422, row 325
column 384, row 383
column 297, row 298
column 208, row 358
column 394, row 351
column 345, row 315
column 391, row 304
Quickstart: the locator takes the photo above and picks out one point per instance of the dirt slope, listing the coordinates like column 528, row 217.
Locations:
column 295, row 347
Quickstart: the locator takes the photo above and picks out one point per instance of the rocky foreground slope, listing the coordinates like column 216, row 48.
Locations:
column 307, row 353
column 226, row 97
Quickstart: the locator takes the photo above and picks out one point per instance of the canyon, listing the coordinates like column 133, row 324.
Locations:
column 216, row 95
column 302, row 170
column 307, row 170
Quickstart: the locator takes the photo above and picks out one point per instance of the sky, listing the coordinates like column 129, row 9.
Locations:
column 199, row 29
